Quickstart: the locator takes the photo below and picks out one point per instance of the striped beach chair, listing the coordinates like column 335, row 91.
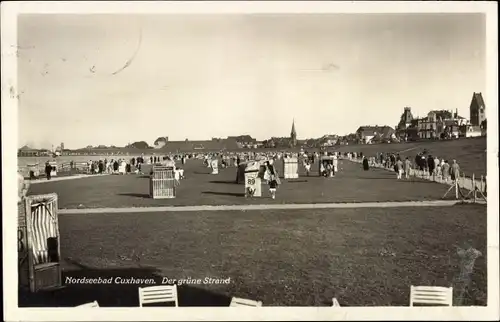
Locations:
column 42, row 242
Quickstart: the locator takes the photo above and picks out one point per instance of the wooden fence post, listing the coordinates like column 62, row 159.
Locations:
column 474, row 187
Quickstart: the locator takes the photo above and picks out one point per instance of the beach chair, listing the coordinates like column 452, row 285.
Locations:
column 335, row 303
column 236, row 301
column 158, row 294
column 90, row 305
column 431, row 295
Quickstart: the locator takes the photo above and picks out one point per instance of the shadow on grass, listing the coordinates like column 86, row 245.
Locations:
column 234, row 194
column 114, row 294
column 372, row 178
column 137, row 195
column 225, row 182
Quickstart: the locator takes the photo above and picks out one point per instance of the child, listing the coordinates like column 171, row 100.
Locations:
column 273, row 185
column 323, row 170
column 307, row 165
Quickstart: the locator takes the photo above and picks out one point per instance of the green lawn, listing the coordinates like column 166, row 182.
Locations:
column 363, row 257
column 351, row 184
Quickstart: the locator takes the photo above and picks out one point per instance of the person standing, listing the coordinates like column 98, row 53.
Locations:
column 329, row 169
column 101, row 167
column 335, row 166
column 399, row 169
column 307, row 165
column 407, row 166
column 48, row 170
column 445, row 169
column 425, row 166
column 366, row 166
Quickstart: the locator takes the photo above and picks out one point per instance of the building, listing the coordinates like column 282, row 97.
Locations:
column 477, row 109
column 26, row 151
column 440, row 124
column 243, row 141
column 328, row 140
column 406, row 118
column 405, row 124
column 293, row 135
column 381, row 134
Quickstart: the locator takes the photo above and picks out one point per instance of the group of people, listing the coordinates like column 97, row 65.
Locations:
column 426, row 163
column 118, row 166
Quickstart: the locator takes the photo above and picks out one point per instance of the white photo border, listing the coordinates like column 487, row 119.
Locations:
column 9, row 12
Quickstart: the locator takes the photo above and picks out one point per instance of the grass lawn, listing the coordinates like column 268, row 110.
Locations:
column 352, row 184
column 364, row 257
column 469, row 153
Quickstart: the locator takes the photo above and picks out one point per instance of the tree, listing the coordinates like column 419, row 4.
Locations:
column 138, row 145
column 161, row 141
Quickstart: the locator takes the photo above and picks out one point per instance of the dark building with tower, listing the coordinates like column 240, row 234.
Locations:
column 477, row 110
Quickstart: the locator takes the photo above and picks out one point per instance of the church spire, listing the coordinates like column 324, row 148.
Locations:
column 293, row 134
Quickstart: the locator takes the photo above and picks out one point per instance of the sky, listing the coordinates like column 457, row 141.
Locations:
column 115, row 79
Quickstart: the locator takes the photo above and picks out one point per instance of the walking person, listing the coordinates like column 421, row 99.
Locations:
column 437, row 169
column 455, row 171
column 431, row 166
column 273, row 185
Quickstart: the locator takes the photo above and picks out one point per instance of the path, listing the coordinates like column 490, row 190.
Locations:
column 78, row 176
column 430, row 203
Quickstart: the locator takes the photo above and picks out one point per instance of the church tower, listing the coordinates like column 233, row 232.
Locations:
column 293, row 134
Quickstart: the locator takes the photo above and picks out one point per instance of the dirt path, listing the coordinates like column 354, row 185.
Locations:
column 430, row 203
column 53, row 179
